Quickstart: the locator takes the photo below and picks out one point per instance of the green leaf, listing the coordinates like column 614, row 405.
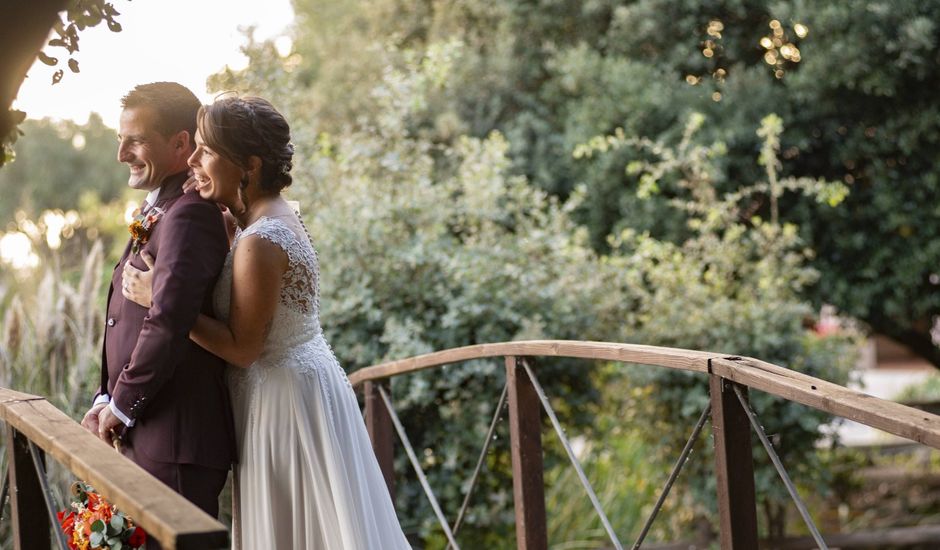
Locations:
column 47, row 59
column 117, row 522
column 98, row 526
column 95, row 539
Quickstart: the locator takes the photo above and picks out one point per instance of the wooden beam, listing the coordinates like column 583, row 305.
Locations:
column 606, row 351
column 921, row 536
column 166, row 516
column 920, row 426
column 872, row 539
column 30, row 518
column 734, row 468
column 525, row 437
column 901, row 420
column 381, row 431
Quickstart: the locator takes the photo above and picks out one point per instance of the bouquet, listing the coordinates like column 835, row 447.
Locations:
column 94, row 523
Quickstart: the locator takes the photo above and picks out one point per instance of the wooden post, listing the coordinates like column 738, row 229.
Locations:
column 30, row 519
column 525, row 436
column 734, row 467
column 381, row 431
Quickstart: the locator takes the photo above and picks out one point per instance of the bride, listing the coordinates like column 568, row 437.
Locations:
column 307, row 476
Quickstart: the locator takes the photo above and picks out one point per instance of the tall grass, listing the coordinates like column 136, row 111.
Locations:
column 50, row 340
column 50, row 345
column 624, row 481
column 616, row 459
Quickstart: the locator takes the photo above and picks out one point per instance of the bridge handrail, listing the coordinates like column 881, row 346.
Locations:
column 165, row 515
column 888, row 416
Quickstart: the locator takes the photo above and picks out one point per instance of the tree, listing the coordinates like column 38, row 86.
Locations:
column 854, row 87
column 23, row 31
column 57, row 164
column 732, row 285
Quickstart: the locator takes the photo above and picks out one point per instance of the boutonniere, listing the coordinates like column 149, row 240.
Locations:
column 142, row 227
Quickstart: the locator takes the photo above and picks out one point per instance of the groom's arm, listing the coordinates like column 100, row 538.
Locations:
column 190, row 254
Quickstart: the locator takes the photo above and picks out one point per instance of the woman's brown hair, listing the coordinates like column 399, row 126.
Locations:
column 241, row 127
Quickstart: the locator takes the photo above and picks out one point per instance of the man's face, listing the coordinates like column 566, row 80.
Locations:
column 150, row 156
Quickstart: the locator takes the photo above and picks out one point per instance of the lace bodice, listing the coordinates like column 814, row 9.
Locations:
column 297, row 318
column 300, row 289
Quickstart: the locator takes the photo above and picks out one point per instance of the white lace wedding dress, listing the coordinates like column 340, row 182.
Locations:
column 307, row 476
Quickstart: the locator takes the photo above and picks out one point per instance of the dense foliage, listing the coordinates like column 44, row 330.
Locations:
column 854, row 82
column 59, row 163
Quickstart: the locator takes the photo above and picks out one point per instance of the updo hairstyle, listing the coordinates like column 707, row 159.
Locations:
column 240, row 127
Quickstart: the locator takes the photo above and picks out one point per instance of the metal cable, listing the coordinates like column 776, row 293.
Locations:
column 686, row 451
column 574, row 460
column 476, row 472
column 417, row 466
column 47, row 495
column 781, row 470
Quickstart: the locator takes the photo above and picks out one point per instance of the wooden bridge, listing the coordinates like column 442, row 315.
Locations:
column 36, row 430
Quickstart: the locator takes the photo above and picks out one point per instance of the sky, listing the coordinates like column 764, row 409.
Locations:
column 178, row 40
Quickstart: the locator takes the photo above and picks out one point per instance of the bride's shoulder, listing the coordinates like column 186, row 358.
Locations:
column 269, row 227
column 270, row 230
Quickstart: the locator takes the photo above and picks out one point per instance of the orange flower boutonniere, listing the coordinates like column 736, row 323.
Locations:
column 142, row 227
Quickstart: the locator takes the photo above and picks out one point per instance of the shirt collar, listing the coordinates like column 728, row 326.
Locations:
column 153, row 196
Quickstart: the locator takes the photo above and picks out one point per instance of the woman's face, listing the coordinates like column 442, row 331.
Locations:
column 217, row 178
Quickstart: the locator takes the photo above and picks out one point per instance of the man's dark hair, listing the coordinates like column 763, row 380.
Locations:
column 174, row 104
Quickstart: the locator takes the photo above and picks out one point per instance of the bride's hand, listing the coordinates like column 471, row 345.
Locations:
column 231, row 223
column 190, row 183
column 137, row 284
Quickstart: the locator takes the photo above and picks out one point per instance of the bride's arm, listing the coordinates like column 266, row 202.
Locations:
column 257, row 270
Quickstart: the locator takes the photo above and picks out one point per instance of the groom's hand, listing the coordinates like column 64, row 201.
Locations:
column 108, row 425
column 90, row 421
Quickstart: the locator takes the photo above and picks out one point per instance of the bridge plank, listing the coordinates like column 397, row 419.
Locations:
column 172, row 520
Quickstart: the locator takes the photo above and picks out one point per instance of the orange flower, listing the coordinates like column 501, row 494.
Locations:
column 142, row 226
column 89, row 507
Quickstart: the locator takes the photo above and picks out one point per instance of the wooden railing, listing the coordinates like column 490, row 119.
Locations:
column 35, row 429
column 728, row 377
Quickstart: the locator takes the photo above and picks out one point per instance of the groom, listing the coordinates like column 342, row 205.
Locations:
column 163, row 395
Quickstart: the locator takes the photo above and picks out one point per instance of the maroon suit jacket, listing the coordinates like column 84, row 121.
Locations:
column 174, row 390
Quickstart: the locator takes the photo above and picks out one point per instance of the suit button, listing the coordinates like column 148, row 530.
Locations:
column 111, row 321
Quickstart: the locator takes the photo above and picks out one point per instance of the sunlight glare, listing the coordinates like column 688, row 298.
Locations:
column 283, row 45
column 130, row 210
column 156, row 44
column 16, row 250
